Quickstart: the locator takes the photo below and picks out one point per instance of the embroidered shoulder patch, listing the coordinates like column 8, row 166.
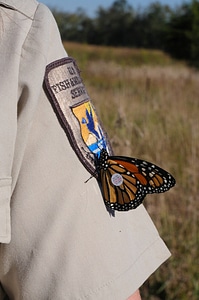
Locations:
column 75, row 112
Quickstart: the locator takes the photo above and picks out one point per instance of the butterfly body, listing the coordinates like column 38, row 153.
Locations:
column 126, row 181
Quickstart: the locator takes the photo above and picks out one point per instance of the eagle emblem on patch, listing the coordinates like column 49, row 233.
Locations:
column 72, row 105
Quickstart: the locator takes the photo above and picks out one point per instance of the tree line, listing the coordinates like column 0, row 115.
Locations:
column 157, row 26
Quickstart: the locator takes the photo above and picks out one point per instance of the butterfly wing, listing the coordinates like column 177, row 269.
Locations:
column 128, row 195
column 152, row 178
column 126, row 181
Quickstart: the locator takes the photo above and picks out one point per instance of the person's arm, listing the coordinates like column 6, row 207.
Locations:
column 135, row 296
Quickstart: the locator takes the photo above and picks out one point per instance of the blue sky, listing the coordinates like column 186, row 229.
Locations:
column 90, row 6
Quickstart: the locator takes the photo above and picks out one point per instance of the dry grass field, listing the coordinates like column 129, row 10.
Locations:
column 149, row 105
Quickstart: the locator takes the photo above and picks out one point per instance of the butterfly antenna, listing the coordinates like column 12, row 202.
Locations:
column 88, row 179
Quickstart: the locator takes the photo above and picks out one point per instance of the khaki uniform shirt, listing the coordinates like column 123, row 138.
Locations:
column 57, row 239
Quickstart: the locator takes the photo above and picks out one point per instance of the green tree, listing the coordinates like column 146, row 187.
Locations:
column 74, row 26
column 195, row 33
column 179, row 33
column 156, row 17
column 149, row 26
column 113, row 24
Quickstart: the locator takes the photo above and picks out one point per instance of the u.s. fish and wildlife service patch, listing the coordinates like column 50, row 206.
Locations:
column 77, row 116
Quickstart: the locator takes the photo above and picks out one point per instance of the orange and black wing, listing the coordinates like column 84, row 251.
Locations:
column 126, row 181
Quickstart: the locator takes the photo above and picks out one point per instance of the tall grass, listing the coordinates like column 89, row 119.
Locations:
column 149, row 105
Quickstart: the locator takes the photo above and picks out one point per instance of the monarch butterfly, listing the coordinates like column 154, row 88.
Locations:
column 126, row 181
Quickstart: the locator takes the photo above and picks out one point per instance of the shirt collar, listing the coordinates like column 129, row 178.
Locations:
column 25, row 7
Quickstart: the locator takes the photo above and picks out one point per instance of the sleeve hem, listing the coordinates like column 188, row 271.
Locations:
column 133, row 278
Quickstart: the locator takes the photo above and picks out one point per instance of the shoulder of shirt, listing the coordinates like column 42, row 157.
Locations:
column 25, row 7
